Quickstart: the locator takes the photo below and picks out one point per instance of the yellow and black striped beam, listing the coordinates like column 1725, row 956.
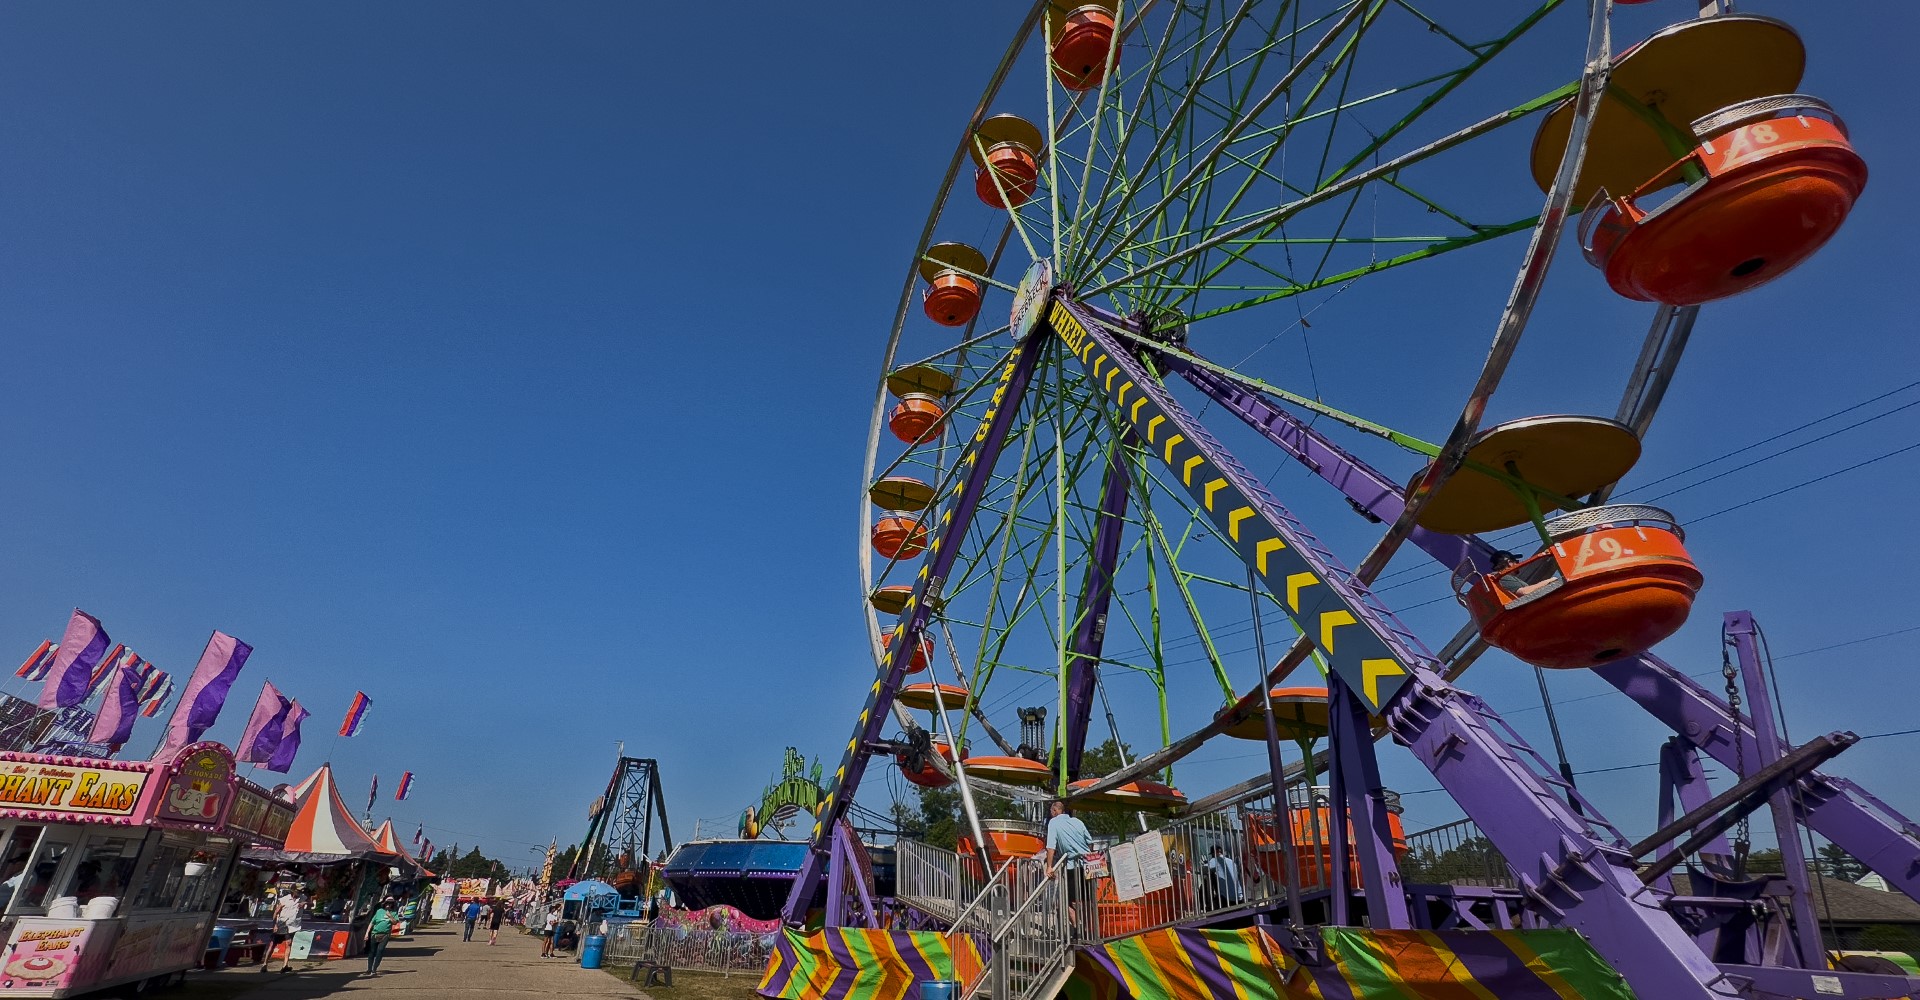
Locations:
column 1359, row 646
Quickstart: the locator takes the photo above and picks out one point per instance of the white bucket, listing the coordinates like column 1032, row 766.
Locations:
column 64, row 908
column 101, row 907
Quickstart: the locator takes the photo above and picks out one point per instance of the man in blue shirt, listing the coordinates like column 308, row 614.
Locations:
column 1226, row 876
column 1068, row 844
column 473, row 917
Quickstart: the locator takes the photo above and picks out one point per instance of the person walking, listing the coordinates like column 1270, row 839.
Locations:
column 472, row 916
column 379, row 932
column 286, row 923
column 493, row 924
column 1068, row 844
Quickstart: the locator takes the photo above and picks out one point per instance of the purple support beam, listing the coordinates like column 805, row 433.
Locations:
column 836, row 880
column 1584, row 878
column 1360, row 639
column 979, row 460
column 847, row 863
column 1365, row 807
column 1838, row 809
column 1565, row 870
column 1096, row 593
column 1683, row 781
column 1739, row 628
column 1371, row 492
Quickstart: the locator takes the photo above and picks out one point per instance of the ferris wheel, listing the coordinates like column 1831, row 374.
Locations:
column 1108, row 324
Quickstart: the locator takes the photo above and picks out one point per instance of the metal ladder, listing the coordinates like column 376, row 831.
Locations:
column 1023, row 917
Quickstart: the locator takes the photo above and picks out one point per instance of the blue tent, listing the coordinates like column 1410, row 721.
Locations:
column 589, row 889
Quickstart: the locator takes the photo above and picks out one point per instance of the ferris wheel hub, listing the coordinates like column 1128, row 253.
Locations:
column 1030, row 298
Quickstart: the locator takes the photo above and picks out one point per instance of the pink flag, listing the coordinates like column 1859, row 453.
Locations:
column 119, row 708
column 263, row 733
column 71, row 679
column 206, row 690
column 289, row 740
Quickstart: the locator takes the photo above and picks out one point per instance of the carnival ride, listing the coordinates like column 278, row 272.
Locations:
column 619, row 842
column 1166, row 189
column 754, row 872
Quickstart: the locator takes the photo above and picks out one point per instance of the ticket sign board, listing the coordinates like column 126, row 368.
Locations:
column 43, row 786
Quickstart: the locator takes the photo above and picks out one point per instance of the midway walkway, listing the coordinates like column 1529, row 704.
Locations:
column 434, row 964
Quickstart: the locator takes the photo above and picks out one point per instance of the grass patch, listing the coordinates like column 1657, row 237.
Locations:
column 689, row 985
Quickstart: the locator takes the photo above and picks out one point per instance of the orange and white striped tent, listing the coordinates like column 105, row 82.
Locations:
column 324, row 825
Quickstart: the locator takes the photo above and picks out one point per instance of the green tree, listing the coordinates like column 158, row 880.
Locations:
column 563, row 861
column 942, row 822
column 1105, row 759
column 1473, row 861
column 474, row 865
column 1766, row 860
column 1835, row 861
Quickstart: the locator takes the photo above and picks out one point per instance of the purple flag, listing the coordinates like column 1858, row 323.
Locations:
column 206, row 690
column 265, row 727
column 120, row 707
column 71, row 679
column 289, row 739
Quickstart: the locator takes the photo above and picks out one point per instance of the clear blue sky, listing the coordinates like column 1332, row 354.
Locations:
column 512, row 363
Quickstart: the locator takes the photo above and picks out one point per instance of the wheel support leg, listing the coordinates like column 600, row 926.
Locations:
column 979, row 459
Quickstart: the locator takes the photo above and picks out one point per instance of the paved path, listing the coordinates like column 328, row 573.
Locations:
column 435, row 963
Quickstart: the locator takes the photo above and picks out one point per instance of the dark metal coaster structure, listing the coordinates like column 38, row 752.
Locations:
column 1176, row 187
column 620, row 825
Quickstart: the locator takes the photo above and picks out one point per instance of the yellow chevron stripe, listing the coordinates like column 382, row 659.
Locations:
column 1265, row 549
column 1176, row 439
column 1233, row 521
column 1121, row 397
column 1371, row 671
column 1332, row 620
column 1212, row 487
column 1134, row 414
column 1110, row 375
column 1097, row 362
column 1186, row 474
column 1295, row 584
column 1154, row 425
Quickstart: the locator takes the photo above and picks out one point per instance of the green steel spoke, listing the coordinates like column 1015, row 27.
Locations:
column 1240, row 120
column 1264, row 222
column 1328, row 70
column 1444, row 246
column 1198, row 76
column 1484, row 55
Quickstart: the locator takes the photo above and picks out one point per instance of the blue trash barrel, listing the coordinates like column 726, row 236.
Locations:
column 591, row 950
column 939, row 989
column 221, row 942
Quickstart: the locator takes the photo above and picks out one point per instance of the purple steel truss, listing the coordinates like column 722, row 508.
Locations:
column 1840, row 810
column 1836, row 808
column 1096, row 593
column 1570, row 865
column 979, row 460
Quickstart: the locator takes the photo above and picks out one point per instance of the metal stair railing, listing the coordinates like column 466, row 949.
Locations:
column 1032, row 942
column 938, row 882
column 974, row 922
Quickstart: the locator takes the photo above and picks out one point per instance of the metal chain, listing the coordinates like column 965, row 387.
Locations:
column 1742, row 841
